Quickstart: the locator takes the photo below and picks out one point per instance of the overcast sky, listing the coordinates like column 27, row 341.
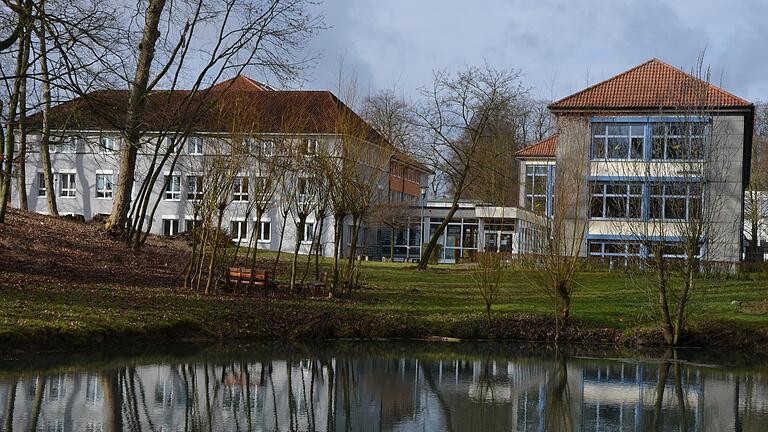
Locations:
column 560, row 46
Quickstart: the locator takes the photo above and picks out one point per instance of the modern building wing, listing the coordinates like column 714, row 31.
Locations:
column 659, row 148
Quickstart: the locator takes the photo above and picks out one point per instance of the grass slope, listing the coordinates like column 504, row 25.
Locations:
column 64, row 285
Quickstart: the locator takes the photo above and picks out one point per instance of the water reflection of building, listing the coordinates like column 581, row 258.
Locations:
column 373, row 393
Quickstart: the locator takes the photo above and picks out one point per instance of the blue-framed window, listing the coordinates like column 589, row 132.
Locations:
column 677, row 141
column 648, row 138
column 674, row 201
column 536, row 180
column 616, row 200
column 618, row 140
column 614, row 248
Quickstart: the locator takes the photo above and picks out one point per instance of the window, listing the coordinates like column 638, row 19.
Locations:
column 617, row 140
column 308, row 233
column 240, row 189
column 69, row 145
column 616, row 200
column 239, row 230
column 173, row 187
column 67, row 185
column 536, row 188
column 302, row 187
column 309, row 146
column 267, row 148
column 170, row 227
column 194, row 187
column 41, row 189
column 108, row 144
column 675, row 201
column 678, row 141
column 265, row 231
column 195, row 145
column 191, row 224
column 104, row 185
column 613, row 248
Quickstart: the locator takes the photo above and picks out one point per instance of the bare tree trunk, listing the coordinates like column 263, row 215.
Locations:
column 45, row 154
column 296, row 246
column 319, row 247
column 21, row 170
column 338, row 222
column 256, row 234
column 7, row 156
column 215, row 251
column 427, row 253
column 280, row 243
column 122, row 200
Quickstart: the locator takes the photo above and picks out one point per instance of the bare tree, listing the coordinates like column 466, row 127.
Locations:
column 556, row 259
column 263, row 35
column 392, row 116
column 457, row 114
column 688, row 228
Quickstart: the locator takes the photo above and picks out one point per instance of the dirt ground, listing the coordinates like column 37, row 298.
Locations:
column 41, row 247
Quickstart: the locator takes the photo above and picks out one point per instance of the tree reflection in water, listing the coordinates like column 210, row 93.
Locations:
column 429, row 388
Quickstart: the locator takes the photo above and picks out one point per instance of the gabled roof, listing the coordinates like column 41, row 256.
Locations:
column 542, row 149
column 650, row 85
column 241, row 83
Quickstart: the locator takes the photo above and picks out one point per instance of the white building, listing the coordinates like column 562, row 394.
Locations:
column 86, row 141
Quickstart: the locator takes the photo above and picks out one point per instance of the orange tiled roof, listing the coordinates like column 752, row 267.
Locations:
column 543, row 148
column 653, row 84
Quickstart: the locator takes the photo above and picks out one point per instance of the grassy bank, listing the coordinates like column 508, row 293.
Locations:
column 62, row 292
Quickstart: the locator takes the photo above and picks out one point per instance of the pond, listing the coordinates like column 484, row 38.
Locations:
column 388, row 386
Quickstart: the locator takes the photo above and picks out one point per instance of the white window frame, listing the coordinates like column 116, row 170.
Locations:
column 265, row 234
column 308, row 232
column 171, row 193
column 196, row 193
column 240, row 191
column 191, row 220
column 170, row 220
column 64, row 190
column 242, row 230
column 42, row 191
column 195, row 146
column 106, row 192
column 108, row 144
column 69, row 144
column 310, row 145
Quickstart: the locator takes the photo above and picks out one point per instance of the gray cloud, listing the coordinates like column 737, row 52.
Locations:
column 561, row 46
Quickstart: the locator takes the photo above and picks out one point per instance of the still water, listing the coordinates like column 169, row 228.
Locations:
column 383, row 386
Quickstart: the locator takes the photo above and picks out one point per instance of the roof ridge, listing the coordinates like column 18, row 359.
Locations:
column 607, row 80
column 715, row 93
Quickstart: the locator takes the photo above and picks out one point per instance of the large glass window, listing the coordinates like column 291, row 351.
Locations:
column 536, row 188
column 617, row 200
column 618, row 140
column 239, row 230
column 675, row 201
column 678, row 141
column 613, row 248
column 194, row 187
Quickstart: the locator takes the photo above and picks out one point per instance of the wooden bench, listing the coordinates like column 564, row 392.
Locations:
column 318, row 287
column 236, row 276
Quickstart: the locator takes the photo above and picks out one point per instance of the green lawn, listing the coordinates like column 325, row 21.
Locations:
column 399, row 301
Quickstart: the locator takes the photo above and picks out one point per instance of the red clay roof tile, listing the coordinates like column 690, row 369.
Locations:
column 653, row 84
column 544, row 148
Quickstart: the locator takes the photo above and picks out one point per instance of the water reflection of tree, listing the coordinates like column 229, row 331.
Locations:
column 557, row 406
column 445, row 408
column 10, row 405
